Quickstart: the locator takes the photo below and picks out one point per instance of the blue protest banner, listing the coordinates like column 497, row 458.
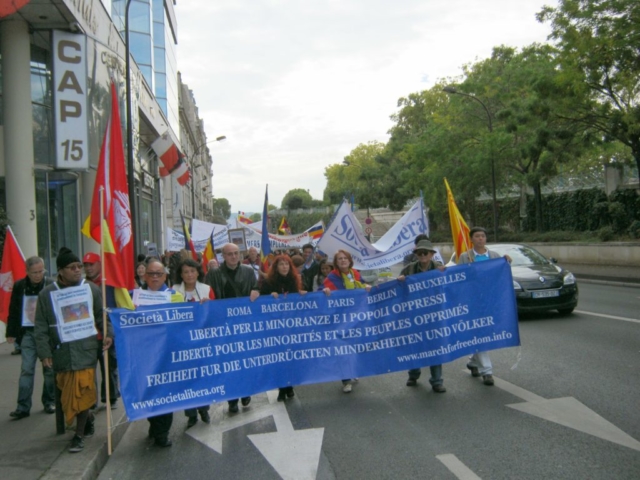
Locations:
column 177, row 356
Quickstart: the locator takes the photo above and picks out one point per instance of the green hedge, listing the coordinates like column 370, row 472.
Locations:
column 577, row 211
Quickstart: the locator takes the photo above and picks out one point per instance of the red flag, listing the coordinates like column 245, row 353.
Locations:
column 171, row 158
column 167, row 152
column 12, row 269
column 117, row 230
column 245, row 220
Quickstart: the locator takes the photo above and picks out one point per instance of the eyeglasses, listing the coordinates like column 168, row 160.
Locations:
column 154, row 274
column 74, row 266
column 423, row 253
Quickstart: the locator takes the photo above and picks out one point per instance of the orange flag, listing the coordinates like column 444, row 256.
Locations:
column 459, row 228
column 12, row 269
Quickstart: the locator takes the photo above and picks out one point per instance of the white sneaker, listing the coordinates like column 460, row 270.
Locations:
column 347, row 388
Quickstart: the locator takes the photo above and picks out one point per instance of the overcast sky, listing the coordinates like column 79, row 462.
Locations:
column 295, row 85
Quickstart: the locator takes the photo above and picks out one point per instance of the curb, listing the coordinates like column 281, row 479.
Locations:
column 613, row 283
column 88, row 464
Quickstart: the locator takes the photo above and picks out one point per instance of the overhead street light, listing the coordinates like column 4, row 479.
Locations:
column 455, row 91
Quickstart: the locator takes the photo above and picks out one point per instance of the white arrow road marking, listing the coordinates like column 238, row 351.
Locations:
column 456, row 467
column 569, row 412
column 612, row 317
column 294, row 454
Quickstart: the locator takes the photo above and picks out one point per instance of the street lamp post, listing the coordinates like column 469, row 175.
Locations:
column 453, row 90
column 130, row 172
column 347, row 163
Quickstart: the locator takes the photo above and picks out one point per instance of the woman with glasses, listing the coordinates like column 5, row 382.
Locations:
column 424, row 252
column 192, row 289
column 344, row 277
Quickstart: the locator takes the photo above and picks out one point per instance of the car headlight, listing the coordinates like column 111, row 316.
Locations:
column 516, row 286
column 569, row 279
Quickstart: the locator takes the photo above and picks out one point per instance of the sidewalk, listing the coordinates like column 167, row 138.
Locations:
column 30, row 448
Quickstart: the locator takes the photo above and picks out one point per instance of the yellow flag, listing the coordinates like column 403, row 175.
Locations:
column 459, row 228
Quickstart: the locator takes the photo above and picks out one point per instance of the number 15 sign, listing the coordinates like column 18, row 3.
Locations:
column 70, row 97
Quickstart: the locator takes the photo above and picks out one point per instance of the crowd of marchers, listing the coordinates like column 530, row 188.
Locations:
column 70, row 365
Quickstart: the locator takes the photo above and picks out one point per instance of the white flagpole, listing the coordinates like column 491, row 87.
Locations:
column 105, row 353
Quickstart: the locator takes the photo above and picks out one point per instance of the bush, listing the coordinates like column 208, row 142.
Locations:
column 634, row 229
column 618, row 215
column 606, row 234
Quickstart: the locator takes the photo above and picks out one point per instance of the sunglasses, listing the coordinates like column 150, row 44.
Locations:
column 154, row 274
column 423, row 253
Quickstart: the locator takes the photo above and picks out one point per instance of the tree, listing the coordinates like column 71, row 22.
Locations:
column 526, row 130
column 356, row 176
column 256, row 217
column 222, row 208
column 599, row 39
column 297, row 198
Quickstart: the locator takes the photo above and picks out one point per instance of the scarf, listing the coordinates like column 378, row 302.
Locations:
column 350, row 281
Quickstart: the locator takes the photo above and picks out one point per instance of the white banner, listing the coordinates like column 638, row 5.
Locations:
column 253, row 234
column 345, row 233
column 200, row 236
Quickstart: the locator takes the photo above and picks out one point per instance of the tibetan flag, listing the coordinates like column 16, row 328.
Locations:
column 245, row 220
column 265, row 244
column 13, row 268
column 284, row 227
column 116, row 226
column 171, row 159
column 316, row 231
column 459, row 228
column 209, row 253
column 188, row 243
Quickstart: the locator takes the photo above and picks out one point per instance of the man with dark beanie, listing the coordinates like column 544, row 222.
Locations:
column 68, row 319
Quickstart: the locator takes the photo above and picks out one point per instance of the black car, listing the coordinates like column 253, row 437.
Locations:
column 539, row 283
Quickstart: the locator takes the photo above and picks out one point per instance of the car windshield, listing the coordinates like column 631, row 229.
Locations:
column 521, row 255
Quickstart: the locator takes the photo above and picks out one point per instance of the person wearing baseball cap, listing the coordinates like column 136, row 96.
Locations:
column 424, row 251
column 93, row 273
column 92, row 268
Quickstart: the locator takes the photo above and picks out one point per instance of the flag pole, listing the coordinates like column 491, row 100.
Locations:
column 105, row 353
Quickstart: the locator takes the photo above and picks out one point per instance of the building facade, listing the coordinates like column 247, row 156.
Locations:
column 58, row 58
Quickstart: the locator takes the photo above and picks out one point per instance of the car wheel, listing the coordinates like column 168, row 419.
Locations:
column 565, row 311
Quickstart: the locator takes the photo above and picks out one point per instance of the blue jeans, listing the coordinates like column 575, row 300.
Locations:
column 436, row 374
column 27, row 374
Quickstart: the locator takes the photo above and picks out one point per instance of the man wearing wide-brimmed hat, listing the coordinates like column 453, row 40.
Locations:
column 424, row 251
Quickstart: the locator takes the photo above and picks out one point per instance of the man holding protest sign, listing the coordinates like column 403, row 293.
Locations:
column 154, row 292
column 68, row 318
column 20, row 325
column 233, row 280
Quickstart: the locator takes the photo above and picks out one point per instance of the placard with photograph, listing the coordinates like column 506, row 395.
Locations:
column 236, row 236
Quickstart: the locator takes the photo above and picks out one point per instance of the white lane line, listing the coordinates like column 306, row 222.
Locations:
column 456, row 467
column 612, row 317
